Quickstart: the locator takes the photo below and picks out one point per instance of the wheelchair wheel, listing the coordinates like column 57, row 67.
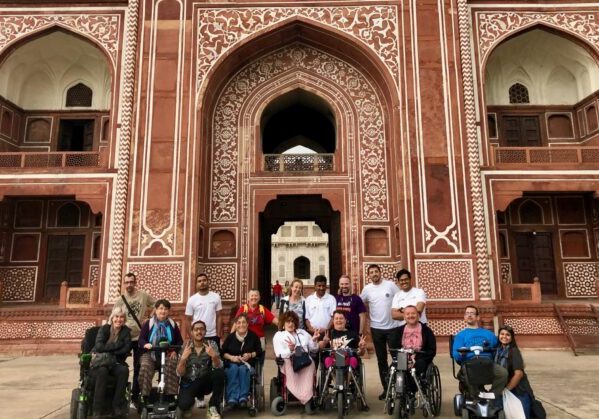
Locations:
column 340, row 405
column 144, row 413
column 252, row 412
column 74, row 403
column 274, row 389
column 278, row 407
column 402, row 411
column 465, row 414
column 501, row 415
column 82, row 410
column 259, row 397
column 433, row 388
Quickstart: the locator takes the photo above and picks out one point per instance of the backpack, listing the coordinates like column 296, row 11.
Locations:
column 246, row 309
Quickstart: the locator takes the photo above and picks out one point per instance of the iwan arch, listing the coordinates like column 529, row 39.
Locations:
column 187, row 171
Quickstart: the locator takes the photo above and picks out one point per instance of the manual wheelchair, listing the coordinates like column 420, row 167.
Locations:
column 400, row 400
column 280, row 396
column 341, row 384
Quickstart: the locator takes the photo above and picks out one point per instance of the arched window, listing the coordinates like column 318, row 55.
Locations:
column 531, row 213
column 69, row 215
column 518, row 93
column 301, row 268
column 79, row 95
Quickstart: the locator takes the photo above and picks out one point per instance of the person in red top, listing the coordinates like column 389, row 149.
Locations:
column 258, row 317
column 277, row 292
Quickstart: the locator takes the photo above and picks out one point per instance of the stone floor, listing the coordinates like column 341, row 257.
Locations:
column 40, row 387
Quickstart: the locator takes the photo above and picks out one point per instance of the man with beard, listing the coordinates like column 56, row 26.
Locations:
column 137, row 305
column 352, row 305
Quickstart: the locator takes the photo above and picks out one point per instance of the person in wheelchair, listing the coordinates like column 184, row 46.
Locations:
column 159, row 328
column 241, row 351
column 290, row 341
column 341, row 337
column 201, row 370
column 419, row 337
column 475, row 335
column 113, row 343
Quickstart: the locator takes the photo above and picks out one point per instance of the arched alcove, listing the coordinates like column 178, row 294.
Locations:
column 301, row 268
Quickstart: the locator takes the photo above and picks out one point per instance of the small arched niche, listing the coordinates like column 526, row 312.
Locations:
column 298, row 119
column 301, row 268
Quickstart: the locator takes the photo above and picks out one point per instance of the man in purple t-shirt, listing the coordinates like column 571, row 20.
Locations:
column 352, row 305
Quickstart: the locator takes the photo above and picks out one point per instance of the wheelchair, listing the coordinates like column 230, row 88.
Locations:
column 478, row 372
column 82, row 397
column 256, row 402
column 348, row 384
column 402, row 402
column 280, row 397
column 156, row 405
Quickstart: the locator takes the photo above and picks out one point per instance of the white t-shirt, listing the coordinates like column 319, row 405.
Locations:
column 204, row 307
column 411, row 298
column 320, row 310
column 379, row 298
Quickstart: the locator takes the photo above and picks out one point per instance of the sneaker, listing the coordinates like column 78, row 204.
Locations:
column 213, row 413
column 201, row 403
column 243, row 403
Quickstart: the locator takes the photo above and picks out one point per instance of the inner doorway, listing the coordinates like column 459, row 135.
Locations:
column 534, row 251
column 64, row 262
column 288, row 208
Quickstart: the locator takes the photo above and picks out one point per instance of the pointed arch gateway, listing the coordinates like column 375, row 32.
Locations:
column 236, row 186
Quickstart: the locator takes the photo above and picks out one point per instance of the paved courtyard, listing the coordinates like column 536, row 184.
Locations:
column 40, row 386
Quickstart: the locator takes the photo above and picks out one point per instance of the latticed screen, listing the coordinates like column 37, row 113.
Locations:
column 79, row 95
column 519, row 94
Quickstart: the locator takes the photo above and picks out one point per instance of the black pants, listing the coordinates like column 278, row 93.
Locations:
column 120, row 373
column 136, row 357
column 383, row 338
column 213, row 383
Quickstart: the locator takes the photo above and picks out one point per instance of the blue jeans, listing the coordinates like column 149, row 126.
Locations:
column 526, row 402
column 238, row 382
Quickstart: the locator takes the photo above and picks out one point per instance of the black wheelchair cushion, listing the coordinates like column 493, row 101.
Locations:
column 479, row 371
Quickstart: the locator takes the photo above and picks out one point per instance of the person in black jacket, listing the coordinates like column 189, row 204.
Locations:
column 115, row 338
column 418, row 336
column 240, row 350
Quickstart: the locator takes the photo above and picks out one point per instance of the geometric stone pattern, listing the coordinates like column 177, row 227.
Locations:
column 220, row 29
column 534, row 325
column 228, row 141
column 18, row 283
column 506, row 273
column 445, row 279
column 580, row 278
column 223, row 279
column 94, row 273
column 445, row 327
column 388, row 270
column 495, row 26
column 160, row 279
column 587, row 327
column 473, row 153
column 44, row 330
column 102, row 28
column 119, row 214
column 79, row 296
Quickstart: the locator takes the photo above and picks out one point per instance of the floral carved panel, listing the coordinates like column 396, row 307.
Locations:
column 104, row 28
column 493, row 27
column 300, row 59
column 219, row 29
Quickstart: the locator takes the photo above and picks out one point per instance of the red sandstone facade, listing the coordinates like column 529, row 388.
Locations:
column 173, row 179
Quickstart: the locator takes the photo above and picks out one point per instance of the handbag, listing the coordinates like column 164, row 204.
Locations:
column 102, row 359
column 512, row 406
column 300, row 359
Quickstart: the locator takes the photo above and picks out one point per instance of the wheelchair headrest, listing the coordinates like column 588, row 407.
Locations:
column 89, row 341
column 479, row 370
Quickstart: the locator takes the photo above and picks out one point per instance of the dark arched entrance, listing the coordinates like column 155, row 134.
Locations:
column 297, row 208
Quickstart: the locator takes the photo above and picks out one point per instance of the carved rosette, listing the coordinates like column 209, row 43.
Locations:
column 219, row 29
column 301, row 59
column 493, row 27
column 104, row 28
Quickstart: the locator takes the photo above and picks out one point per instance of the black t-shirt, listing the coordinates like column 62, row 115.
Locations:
column 515, row 362
column 348, row 338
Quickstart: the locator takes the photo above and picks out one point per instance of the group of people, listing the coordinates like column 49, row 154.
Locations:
column 396, row 312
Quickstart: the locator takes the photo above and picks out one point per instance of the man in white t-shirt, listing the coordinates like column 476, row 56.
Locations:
column 383, row 329
column 205, row 305
column 320, row 306
column 407, row 296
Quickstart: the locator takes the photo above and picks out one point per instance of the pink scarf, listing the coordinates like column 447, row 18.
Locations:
column 412, row 337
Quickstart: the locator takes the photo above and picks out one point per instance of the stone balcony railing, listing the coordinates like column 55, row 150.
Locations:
column 50, row 159
column 545, row 155
column 298, row 162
